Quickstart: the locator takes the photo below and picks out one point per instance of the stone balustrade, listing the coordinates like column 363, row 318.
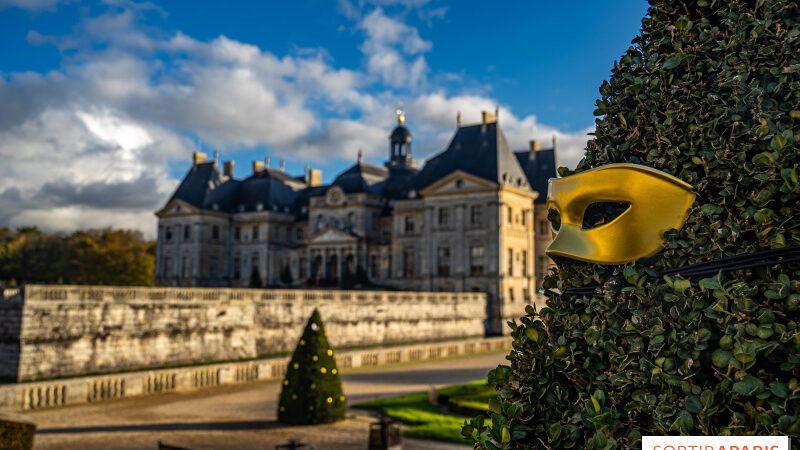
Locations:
column 77, row 390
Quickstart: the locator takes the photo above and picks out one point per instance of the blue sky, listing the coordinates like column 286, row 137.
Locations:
column 108, row 99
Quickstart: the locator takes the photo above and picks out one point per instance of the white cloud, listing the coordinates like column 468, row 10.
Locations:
column 99, row 161
column 437, row 111
column 32, row 5
column 109, row 121
column 388, row 42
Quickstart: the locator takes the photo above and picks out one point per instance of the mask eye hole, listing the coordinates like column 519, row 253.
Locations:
column 554, row 218
column 600, row 213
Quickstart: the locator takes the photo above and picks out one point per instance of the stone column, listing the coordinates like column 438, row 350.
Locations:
column 197, row 231
column 309, row 262
column 428, row 266
column 159, row 269
column 459, row 253
column 338, row 263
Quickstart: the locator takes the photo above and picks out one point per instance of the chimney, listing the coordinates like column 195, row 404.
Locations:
column 228, row 169
column 360, row 156
column 535, row 146
column 497, row 113
column 283, row 164
column 198, row 158
column 216, row 157
column 258, row 166
column 554, row 142
column 486, row 117
column 315, row 177
column 458, row 119
column 266, row 161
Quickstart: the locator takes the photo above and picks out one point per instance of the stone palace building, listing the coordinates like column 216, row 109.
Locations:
column 473, row 218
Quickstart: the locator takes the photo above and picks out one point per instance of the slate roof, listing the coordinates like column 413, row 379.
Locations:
column 362, row 177
column 400, row 134
column 480, row 150
column 540, row 168
column 269, row 190
column 198, row 184
column 401, row 180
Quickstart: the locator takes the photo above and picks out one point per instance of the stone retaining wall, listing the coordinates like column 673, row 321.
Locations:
column 45, row 394
column 56, row 331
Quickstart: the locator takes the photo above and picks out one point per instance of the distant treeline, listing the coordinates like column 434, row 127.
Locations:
column 95, row 257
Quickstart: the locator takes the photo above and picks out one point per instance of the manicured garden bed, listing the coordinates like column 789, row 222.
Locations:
column 441, row 422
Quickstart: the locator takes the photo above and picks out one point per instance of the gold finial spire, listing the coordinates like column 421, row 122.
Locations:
column 458, row 119
column 360, row 156
column 401, row 116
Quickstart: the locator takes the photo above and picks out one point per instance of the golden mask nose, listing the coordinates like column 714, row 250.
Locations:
column 658, row 202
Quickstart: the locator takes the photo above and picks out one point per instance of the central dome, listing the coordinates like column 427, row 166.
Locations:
column 401, row 135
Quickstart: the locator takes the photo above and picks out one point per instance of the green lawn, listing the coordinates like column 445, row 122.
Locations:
column 442, row 423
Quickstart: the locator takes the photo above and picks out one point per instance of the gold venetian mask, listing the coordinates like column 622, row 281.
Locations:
column 658, row 202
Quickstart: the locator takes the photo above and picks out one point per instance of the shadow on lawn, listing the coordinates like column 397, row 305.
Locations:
column 421, row 376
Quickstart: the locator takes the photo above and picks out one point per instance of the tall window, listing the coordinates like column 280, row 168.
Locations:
column 475, row 214
column 167, row 267
column 302, row 272
column 408, row 263
column 443, row 260
column 510, row 215
column 255, row 232
column 215, row 232
column 213, row 268
column 524, row 263
column 237, row 233
column 187, row 232
column 254, row 262
column 476, row 260
column 299, row 234
column 373, row 266
column 409, row 224
column 543, row 265
column 185, row 268
column 544, row 227
column 524, row 217
column 510, row 262
column 237, row 268
column 168, row 233
column 443, row 216
column 511, row 294
column 386, row 232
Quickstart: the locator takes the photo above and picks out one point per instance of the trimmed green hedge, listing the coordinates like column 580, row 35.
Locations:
column 710, row 93
column 16, row 431
column 312, row 390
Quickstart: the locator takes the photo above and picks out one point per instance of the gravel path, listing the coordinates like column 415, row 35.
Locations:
column 243, row 417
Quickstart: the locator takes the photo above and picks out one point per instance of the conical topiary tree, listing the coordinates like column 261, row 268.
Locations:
column 312, row 390
column 709, row 93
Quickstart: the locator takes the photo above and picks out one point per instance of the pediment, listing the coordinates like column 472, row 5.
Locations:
column 458, row 182
column 176, row 207
column 331, row 235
